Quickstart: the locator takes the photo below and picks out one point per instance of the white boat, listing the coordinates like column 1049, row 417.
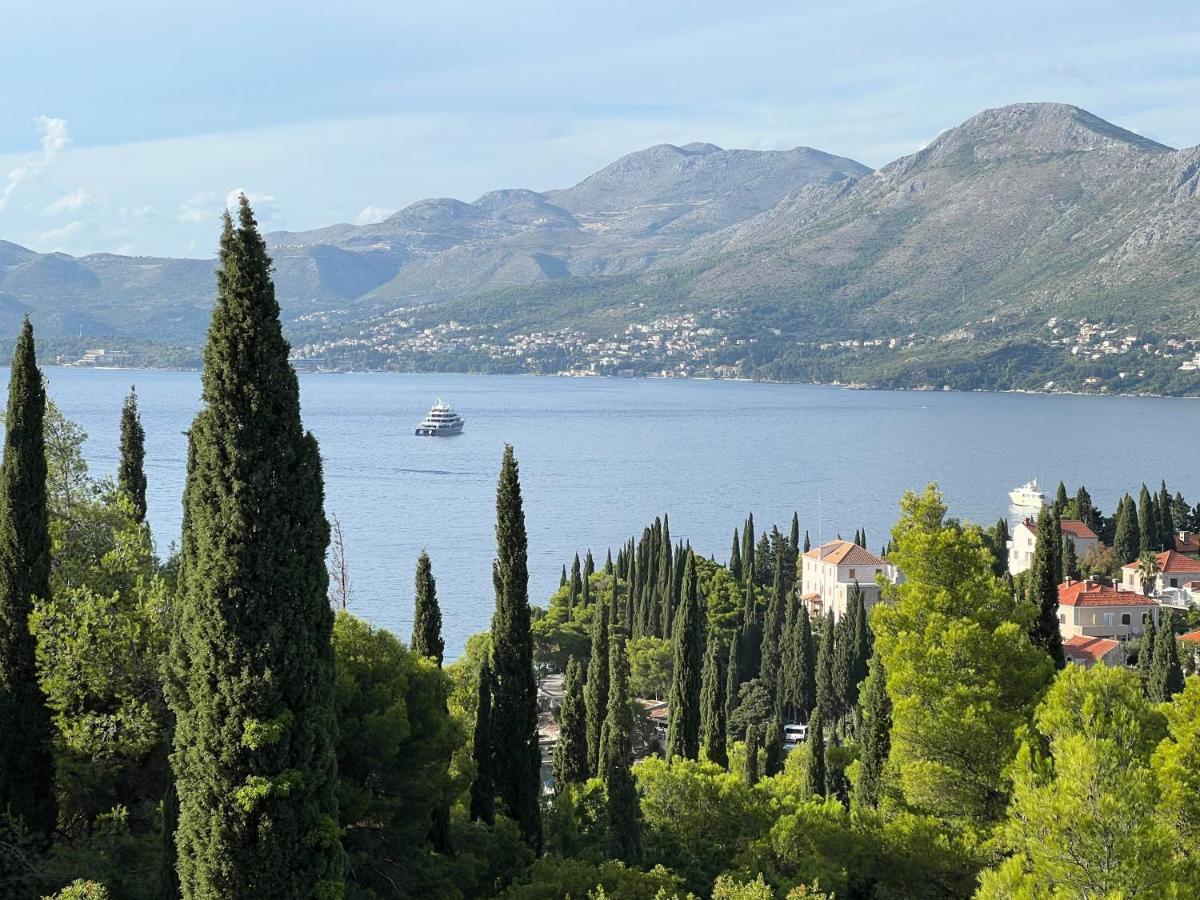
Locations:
column 1027, row 496
column 441, row 421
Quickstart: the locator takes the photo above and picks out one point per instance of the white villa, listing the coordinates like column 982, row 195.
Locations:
column 1090, row 609
column 1024, row 542
column 829, row 572
column 1174, row 571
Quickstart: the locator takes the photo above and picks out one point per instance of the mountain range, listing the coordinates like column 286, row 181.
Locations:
column 1009, row 240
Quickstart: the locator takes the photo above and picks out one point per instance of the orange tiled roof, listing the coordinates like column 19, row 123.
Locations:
column 1171, row 561
column 844, row 553
column 1078, row 529
column 1189, row 545
column 1088, row 648
column 1192, row 637
column 1090, row 593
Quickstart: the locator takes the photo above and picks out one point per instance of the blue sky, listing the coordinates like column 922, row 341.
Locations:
column 126, row 124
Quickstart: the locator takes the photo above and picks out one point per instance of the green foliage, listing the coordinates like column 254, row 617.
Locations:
column 1176, row 763
column 131, row 469
column 712, row 707
column 650, row 666
column 570, row 753
column 82, row 890
column 427, row 615
column 395, row 739
column 483, row 789
column 26, row 767
column 683, row 733
column 616, row 761
column 554, row 877
column 516, row 758
column 961, row 671
column 595, row 695
column 875, row 735
column 253, row 635
column 1043, row 587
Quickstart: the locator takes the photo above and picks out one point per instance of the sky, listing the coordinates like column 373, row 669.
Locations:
column 125, row 126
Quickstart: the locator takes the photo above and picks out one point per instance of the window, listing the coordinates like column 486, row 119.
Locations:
column 1124, row 618
column 1108, row 618
column 1174, row 582
column 1062, row 619
column 852, row 575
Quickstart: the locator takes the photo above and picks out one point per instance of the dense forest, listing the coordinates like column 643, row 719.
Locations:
column 215, row 725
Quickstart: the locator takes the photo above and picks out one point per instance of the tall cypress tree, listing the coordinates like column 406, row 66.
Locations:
column 683, row 732
column 1043, row 588
column 773, row 744
column 427, row 616
column 483, row 789
column 735, row 558
column 26, row 766
column 844, row 662
column 131, row 470
column 712, row 707
column 806, row 667
column 815, row 770
column 252, row 656
column 1147, row 518
column 1166, row 524
column 571, row 751
column 1166, row 674
column 1128, row 539
column 518, row 760
column 595, row 693
column 875, row 736
column 1070, row 562
column 826, row 691
column 733, row 681
column 773, row 630
column 1060, row 499
column 1146, row 653
column 807, row 543
column 576, row 584
column 748, row 548
column 751, row 763
column 624, row 812
column 794, row 537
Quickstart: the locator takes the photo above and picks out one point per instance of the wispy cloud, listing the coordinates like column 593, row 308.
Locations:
column 200, row 207
column 73, row 201
column 54, row 238
column 54, row 139
column 372, row 214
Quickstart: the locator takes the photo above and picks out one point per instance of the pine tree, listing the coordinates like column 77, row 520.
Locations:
column 1128, row 539
column 826, row 691
column 252, row 655
column 1043, row 588
column 571, row 751
column 683, row 732
column 712, row 707
column 131, row 470
column 815, row 770
column 874, row 737
column 26, row 766
column 427, row 615
column 751, row 770
column 1147, row 518
column 735, row 558
column 773, row 744
column 624, row 813
column 595, row 693
column 483, row 789
column 518, row 760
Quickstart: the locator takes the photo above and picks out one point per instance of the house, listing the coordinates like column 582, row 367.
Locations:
column 1093, row 609
column 829, row 572
column 1189, row 644
column 1024, row 541
column 1090, row 651
column 1187, row 542
column 1174, row 570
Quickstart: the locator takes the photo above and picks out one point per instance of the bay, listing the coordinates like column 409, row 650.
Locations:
column 600, row 458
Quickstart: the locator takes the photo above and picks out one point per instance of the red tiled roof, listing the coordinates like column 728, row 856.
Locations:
column 1078, row 529
column 1192, row 637
column 1171, row 561
column 1190, row 545
column 844, row 553
column 1088, row 648
column 1089, row 593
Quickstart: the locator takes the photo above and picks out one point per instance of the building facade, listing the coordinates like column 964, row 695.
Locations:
column 829, row 572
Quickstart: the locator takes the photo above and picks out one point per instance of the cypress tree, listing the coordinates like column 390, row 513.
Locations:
column 751, row 770
column 683, row 732
column 794, row 537
column 735, row 559
column 1166, row 524
column 624, row 813
column 1084, row 511
column 806, row 667
column 427, row 615
column 1147, row 518
column 875, row 736
column 844, row 662
column 732, row 680
column 608, row 564
column 483, row 789
column 26, row 766
column 712, row 707
column 1166, row 674
column 571, row 752
column 1128, row 539
column 773, row 630
column 773, row 758
column 815, row 769
column 748, row 548
column 252, row 655
column 576, row 584
column 1070, row 562
column 666, row 582
column 1043, row 589
column 1146, row 654
column 595, row 693
column 1060, row 499
column 585, row 593
column 517, row 758
column 807, row 543
column 826, row 692
column 562, row 581
column 131, row 470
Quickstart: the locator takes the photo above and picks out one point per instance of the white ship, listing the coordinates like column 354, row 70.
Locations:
column 1027, row 496
column 441, row 421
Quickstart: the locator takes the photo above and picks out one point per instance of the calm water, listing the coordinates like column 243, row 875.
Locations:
column 600, row 458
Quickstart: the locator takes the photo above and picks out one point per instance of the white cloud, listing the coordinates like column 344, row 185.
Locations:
column 265, row 208
column 372, row 214
column 73, row 201
column 54, row 139
column 200, row 207
column 54, row 238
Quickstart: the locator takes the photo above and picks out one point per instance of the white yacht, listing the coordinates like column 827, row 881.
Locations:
column 441, row 421
column 1027, row 496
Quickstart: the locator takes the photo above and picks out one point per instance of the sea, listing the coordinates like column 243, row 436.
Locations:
column 601, row 457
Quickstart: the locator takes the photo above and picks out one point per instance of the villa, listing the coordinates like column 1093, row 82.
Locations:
column 1090, row 609
column 830, row 571
column 1174, row 571
column 1024, row 542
